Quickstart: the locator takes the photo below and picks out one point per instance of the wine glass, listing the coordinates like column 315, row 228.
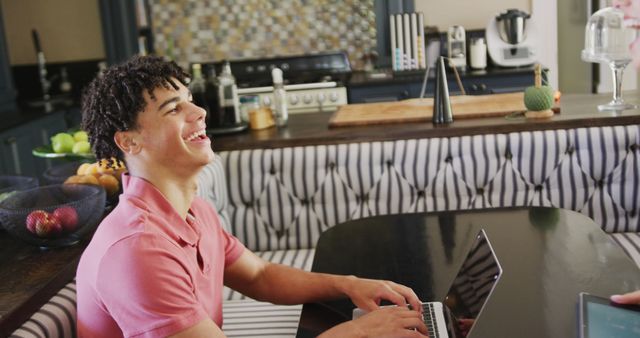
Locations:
column 607, row 40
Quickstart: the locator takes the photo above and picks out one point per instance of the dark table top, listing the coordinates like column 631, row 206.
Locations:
column 548, row 257
column 30, row 277
column 577, row 111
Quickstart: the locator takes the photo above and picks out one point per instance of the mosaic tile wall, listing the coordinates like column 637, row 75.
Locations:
column 213, row 30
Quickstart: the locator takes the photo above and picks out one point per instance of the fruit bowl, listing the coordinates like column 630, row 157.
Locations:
column 11, row 184
column 55, row 215
column 59, row 173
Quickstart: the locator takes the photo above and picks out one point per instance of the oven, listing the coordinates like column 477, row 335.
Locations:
column 314, row 83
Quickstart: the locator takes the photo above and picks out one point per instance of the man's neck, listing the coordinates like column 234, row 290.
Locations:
column 179, row 190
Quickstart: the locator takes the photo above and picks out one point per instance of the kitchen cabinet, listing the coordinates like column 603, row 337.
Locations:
column 7, row 91
column 126, row 28
column 17, row 143
column 363, row 89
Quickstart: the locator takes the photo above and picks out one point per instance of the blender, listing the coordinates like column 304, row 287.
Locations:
column 511, row 39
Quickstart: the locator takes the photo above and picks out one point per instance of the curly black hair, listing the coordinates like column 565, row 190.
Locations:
column 112, row 101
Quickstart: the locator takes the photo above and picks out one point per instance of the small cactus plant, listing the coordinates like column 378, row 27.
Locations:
column 538, row 98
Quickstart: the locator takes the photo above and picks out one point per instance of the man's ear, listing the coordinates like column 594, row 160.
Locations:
column 126, row 141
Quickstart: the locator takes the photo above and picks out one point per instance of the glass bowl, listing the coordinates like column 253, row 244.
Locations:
column 55, row 215
column 59, row 173
column 11, row 184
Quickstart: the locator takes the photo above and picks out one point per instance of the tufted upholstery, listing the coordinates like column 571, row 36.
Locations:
column 284, row 198
column 278, row 201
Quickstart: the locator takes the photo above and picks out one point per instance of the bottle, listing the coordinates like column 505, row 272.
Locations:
column 228, row 96
column 214, row 118
column 197, row 87
column 280, row 111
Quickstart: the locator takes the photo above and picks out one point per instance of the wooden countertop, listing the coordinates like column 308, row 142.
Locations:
column 30, row 276
column 577, row 110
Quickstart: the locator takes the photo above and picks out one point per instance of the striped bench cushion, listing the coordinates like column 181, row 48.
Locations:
column 55, row 319
column 285, row 198
column 301, row 259
column 248, row 318
column 630, row 243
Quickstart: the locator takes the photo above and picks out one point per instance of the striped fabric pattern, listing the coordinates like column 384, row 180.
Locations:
column 248, row 318
column 55, row 319
column 630, row 243
column 284, row 198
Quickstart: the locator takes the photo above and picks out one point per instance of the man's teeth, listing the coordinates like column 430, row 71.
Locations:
column 196, row 135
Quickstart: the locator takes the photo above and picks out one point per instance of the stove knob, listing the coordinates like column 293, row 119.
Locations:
column 321, row 97
column 293, row 99
column 307, row 98
column 333, row 97
column 266, row 101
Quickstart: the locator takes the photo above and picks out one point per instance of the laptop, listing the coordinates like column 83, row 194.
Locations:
column 468, row 293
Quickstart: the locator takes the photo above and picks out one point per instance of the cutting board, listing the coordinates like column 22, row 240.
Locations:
column 420, row 110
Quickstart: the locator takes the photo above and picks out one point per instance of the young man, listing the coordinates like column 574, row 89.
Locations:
column 156, row 265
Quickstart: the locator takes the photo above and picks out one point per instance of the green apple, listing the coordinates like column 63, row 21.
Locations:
column 81, row 147
column 62, row 143
column 80, row 135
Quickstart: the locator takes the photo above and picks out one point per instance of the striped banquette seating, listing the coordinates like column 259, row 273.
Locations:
column 279, row 201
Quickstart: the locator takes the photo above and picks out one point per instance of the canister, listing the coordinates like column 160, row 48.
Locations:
column 478, row 53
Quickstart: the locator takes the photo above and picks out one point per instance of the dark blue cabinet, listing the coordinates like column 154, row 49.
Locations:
column 16, row 145
column 7, row 90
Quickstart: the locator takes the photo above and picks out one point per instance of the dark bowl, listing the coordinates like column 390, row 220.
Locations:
column 55, row 215
column 59, row 173
column 11, row 184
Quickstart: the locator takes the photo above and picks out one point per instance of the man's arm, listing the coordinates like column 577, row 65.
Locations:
column 280, row 284
column 205, row 328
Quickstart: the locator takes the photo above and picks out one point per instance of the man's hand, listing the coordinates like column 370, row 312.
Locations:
column 388, row 322
column 367, row 293
column 627, row 298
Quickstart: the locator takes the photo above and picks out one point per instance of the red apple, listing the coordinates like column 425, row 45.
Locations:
column 35, row 217
column 43, row 223
column 68, row 217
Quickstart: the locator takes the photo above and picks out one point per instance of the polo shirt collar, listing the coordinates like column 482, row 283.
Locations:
column 174, row 226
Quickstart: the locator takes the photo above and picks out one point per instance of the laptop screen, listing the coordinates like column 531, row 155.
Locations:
column 471, row 287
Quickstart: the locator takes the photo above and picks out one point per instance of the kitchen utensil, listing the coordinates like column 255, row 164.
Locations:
column 420, row 110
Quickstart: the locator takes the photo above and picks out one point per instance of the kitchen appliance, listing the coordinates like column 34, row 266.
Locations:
column 313, row 83
column 457, row 46
column 512, row 39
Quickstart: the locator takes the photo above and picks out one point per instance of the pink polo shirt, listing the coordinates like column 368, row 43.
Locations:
column 149, row 273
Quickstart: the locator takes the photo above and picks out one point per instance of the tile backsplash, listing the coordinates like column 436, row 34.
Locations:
column 213, row 30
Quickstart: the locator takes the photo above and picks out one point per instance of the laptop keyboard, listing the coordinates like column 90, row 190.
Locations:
column 429, row 318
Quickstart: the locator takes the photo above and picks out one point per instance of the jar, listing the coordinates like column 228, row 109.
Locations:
column 478, row 53
column 248, row 104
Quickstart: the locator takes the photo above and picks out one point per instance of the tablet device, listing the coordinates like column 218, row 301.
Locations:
column 599, row 317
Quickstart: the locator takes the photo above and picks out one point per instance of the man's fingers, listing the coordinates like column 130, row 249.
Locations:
column 409, row 296
column 628, row 298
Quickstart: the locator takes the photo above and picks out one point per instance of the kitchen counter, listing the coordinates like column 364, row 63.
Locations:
column 388, row 77
column 577, row 110
column 30, row 276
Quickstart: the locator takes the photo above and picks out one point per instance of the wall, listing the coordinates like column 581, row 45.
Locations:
column 471, row 14
column 69, row 30
column 213, row 30
column 575, row 74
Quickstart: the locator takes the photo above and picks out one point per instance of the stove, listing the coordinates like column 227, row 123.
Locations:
column 313, row 83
